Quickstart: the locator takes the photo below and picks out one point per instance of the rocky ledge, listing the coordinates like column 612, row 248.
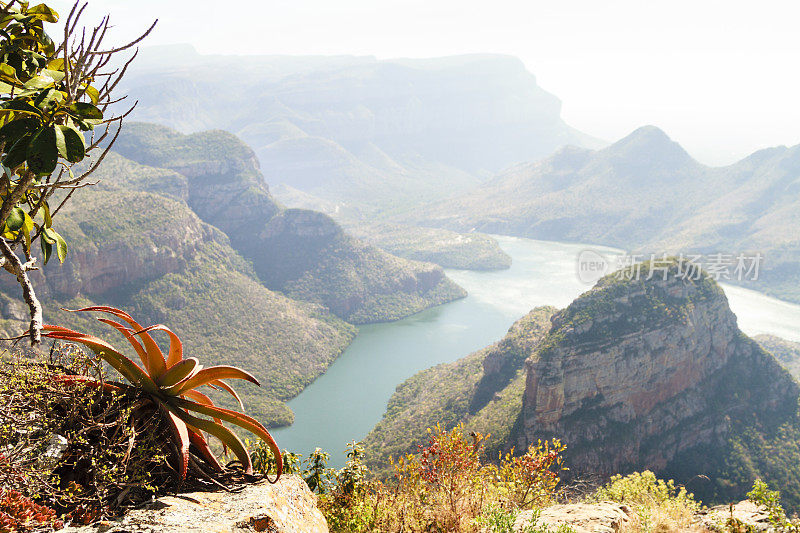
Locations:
column 285, row 507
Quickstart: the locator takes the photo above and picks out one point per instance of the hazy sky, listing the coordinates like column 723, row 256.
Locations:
column 720, row 77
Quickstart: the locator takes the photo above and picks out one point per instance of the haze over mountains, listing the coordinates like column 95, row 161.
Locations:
column 471, row 138
column 645, row 193
column 356, row 130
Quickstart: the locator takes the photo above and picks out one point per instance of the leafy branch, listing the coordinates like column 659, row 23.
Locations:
column 51, row 99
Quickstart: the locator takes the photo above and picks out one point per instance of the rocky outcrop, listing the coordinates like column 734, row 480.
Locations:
column 644, row 374
column 602, row 517
column 308, row 256
column 285, row 507
column 303, row 253
column 747, row 513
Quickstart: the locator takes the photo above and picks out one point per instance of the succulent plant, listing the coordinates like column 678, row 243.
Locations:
column 171, row 382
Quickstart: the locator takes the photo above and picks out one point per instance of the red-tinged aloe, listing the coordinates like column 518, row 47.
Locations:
column 171, row 382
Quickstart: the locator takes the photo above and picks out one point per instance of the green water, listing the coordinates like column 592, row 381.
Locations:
column 350, row 398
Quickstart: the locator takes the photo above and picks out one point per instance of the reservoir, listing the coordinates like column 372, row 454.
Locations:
column 350, row 398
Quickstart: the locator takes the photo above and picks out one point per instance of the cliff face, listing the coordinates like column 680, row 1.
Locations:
column 306, row 255
column 643, row 374
column 302, row 253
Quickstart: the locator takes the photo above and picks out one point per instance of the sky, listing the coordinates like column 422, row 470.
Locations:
column 720, row 77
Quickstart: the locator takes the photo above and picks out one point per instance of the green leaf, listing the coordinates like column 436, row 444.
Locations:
column 39, row 82
column 48, row 221
column 16, row 219
column 16, row 129
column 47, row 249
column 18, row 153
column 21, row 106
column 44, row 13
column 93, row 94
column 85, row 111
column 42, row 151
column 27, row 228
column 8, row 74
column 49, row 235
column 47, row 100
column 61, row 246
column 71, row 143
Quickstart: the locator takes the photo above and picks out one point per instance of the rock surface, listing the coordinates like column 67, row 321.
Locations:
column 636, row 373
column 745, row 511
column 603, row 517
column 285, row 507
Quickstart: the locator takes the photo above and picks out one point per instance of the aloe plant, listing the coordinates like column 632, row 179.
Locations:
column 171, row 382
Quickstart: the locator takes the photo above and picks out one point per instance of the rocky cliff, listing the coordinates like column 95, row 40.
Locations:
column 300, row 252
column 635, row 374
column 655, row 374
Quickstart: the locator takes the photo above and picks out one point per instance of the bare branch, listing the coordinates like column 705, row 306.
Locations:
column 28, row 294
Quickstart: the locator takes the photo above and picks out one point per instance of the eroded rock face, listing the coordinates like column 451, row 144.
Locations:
column 634, row 373
column 285, row 507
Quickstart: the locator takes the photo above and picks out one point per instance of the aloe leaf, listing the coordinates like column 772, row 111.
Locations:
column 154, row 361
column 223, row 434
column 178, row 372
column 181, row 434
column 199, row 441
column 213, row 373
column 175, row 354
column 128, row 333
column 243, row 421
column 227, row 388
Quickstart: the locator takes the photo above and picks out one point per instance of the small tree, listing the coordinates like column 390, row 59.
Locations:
column 52, row 97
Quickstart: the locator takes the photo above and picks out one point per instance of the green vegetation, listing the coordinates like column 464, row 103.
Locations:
column 301, row 253
column 50, row 97
column 467, row 251
column 786, row 352
column 487, row 401
column 448, row 485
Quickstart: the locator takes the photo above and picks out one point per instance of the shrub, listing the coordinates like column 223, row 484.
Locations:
column 68, row 446
column 498, row 520
column 445, row 486
column 531, row 479
column 658, row 505
column 770, row 500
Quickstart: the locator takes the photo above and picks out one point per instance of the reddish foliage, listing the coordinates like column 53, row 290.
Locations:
column 19, row 513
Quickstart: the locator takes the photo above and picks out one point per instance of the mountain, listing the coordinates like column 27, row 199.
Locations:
column 645, row 194
column 356, row 130
column 632, row 375
column 786, row 352
column 190, row 236
column 153, row 256
column 302, row 253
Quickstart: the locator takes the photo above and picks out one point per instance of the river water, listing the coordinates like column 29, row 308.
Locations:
column 350, row 398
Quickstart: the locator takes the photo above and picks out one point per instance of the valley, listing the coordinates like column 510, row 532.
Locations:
column 350, row 398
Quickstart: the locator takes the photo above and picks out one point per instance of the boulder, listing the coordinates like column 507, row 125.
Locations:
column 285, row 507
column 602, row 517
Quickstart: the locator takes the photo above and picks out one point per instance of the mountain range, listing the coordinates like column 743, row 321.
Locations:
column 360, row 133
column 646, row 194
column 183, row 231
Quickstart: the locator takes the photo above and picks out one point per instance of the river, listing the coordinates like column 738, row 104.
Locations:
column 350, row 398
